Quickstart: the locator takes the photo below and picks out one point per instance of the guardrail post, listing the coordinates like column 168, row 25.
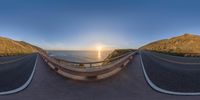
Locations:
column 81, row 65
column 91, row 77
column 56, row 69
column 61, row 67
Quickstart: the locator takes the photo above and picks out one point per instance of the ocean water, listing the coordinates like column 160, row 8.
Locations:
column 80, row 56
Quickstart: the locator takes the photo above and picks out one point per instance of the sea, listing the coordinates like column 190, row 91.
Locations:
column 79, row 56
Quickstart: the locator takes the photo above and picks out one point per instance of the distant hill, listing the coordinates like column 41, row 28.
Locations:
column 117, row 53
column 186, row 45
column 9, row 47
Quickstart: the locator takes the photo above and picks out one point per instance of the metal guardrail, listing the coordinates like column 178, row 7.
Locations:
column 95, row 64
column 79, row 70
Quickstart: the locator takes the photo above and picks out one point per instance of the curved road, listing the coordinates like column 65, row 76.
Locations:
column 175, row 76
column 129, row 84
column 16, row 73
column 2, row 59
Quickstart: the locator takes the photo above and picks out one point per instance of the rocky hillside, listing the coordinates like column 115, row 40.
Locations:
column 185, row 45
column 116, row 53
column 10, row 47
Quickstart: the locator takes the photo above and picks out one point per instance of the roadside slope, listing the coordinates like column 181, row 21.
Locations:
column 9, row 47
column 185, row 45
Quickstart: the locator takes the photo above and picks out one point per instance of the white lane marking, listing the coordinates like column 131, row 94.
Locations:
column 24, row 85
column 12, row 61
column 172, row 61
column 160, row 89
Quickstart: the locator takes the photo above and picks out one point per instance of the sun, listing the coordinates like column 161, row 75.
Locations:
column 99, row 48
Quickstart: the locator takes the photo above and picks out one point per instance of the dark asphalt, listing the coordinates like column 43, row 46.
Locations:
column 176, row 77
column 177, row 58
column 11, row 58
column 14, row 75
column 129, row 84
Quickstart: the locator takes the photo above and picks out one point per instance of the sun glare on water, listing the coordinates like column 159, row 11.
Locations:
column 99, row 49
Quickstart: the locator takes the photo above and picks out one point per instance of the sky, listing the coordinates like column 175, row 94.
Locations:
column 84, row 24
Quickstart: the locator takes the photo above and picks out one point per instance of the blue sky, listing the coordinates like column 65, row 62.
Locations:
column 82, row 24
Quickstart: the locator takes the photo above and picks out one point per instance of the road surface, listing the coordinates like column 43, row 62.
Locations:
column 129, row 84
column 173, row 74
column 15, row 73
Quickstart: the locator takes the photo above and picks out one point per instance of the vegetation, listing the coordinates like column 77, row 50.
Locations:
column 10, row 47
column 117, row 53
column 185, row 45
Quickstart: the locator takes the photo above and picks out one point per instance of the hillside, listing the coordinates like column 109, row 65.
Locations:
column 10, row 47
column 117, row 53
column 185, row 45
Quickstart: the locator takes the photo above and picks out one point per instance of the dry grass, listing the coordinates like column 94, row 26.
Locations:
column 10, row 47
column 185, row 45
column 116, row 53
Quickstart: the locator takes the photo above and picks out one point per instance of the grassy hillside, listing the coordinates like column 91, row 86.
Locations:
column 117, row 53
column 185, row 45
column 10, row 47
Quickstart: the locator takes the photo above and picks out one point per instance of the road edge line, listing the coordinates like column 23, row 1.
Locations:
column 25, row 85
column 152, row 85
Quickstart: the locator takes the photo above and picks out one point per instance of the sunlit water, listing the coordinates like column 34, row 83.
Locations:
column 80, row 56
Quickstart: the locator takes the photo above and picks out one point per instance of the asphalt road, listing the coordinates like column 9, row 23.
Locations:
column 11, row 58
column 15, row 74
column 129, row 84
column 171, row 73
column 176, row 58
